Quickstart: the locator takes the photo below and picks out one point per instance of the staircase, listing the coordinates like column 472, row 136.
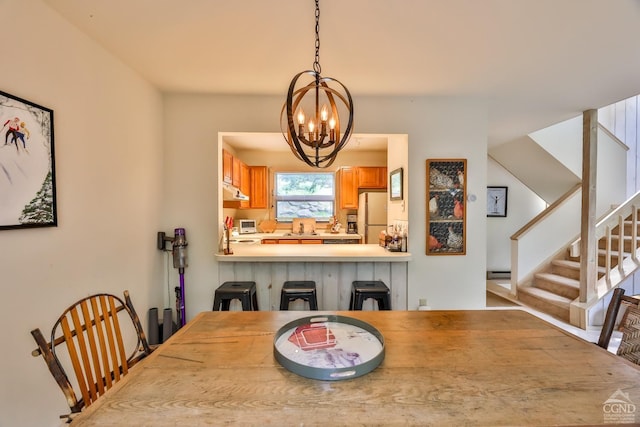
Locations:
column 555, row 288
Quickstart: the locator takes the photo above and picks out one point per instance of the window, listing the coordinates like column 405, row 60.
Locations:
column 304, row 195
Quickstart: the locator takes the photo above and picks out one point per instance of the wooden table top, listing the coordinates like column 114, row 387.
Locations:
column 493, row 367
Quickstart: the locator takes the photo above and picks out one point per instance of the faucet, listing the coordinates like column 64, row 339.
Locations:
column 301, row 230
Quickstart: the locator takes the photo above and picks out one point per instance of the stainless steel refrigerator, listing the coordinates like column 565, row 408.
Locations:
column 372, row 215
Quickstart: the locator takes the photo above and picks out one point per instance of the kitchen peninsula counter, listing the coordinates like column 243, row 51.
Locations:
column 332, row 267
column 312, row 253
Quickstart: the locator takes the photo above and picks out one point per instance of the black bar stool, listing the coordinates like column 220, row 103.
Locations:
column 365, row 289
column 298, row 289
column 244, row 291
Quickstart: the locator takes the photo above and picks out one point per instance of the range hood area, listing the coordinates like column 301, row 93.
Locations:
column 229, row 192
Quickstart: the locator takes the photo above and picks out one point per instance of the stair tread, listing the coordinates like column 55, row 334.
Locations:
column 552, row 298
column 566, row 263
column 575, row 265
column 613, row 253
column 559, row 279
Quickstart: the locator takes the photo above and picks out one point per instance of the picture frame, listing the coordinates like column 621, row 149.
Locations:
column 446, row 206
column 497, row 201
column 27, row 184
column 396, row 184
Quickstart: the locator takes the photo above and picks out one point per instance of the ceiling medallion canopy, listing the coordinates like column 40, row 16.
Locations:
column 312, row 116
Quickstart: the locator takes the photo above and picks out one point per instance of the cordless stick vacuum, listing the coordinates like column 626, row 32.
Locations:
column 180, row 261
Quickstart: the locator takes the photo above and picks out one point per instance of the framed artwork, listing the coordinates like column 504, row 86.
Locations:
column 497, row 201
column 446, row 206
column 27, row 181
column 395, row 184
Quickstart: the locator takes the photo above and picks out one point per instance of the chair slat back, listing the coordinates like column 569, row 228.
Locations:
column 630, row 344
column 611, row 317
column 94, row 341
column 103, row 338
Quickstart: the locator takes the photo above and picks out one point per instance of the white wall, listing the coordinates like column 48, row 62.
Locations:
column 108, row 164
column 398, row 157
column 522, row 205
column 437, row 128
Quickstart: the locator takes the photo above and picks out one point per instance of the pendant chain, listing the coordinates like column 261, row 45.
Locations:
column 316, row 63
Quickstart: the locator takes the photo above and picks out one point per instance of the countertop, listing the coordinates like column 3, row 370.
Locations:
column 313, row 253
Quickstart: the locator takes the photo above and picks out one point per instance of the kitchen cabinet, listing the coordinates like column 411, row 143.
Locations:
column 245, row 184
column 258, row 194
column 236, row 172
column 347, row 188
column 372, row 177
column 292, row 241
column 351, row 179
column 227, row 167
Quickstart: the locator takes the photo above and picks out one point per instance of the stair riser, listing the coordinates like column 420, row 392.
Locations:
column 545, row 306
column 628, row 227
column 602, row 260
column 571, row 273
column 556, row 288
column 602, row 244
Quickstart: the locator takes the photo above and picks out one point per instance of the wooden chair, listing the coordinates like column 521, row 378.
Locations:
column 103, row 337
column 617, row 298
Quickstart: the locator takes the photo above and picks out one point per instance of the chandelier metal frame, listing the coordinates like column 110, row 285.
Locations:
column 320, row 143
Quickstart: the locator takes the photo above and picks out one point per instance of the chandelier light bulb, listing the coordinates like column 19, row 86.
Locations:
column 324, row 113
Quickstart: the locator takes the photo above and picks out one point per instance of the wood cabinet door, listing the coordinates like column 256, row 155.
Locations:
column 227, row 167
column 288, row 241
column 236, row 173
column 245, row 184
column 372, row 177
column 348, row 188
column 269, row 241
column 311, row 241
column 258, row 192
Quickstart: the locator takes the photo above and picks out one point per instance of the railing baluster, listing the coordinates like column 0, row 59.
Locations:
column 634, row 232
column 621, row 244
column 607, row 254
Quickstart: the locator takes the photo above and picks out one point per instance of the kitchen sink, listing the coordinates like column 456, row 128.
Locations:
column 313, row 233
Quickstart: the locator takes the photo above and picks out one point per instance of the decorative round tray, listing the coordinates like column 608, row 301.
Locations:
column 329, row 347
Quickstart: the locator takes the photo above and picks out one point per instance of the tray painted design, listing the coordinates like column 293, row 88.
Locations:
column 329, row 347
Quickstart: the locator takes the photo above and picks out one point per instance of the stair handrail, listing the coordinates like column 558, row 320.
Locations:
column 546, row 212
column 611, row 220
column 526, row 251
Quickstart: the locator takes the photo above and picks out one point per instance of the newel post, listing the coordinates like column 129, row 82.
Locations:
column 588, row 245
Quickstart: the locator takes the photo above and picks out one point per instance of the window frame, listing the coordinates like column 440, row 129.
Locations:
column 304, row 198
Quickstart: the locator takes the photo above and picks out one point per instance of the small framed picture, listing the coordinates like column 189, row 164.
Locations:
column 395, row 184
column 497, row 201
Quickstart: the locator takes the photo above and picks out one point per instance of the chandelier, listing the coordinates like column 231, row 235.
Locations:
column 310, row 119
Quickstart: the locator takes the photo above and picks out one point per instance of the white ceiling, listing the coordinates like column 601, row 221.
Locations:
column 537, row 62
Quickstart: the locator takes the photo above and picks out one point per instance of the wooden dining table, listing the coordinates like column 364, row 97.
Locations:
column 484, row 367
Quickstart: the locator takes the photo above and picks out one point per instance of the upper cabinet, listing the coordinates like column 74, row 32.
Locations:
column 244, row 183
column 347, row 178
column 227, row 167
column 236, row 172
column 372, row 177
column 258, row 187
column 351, row 179
column 251, row 180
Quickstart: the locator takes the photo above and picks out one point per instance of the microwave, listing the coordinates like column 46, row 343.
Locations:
column 248, row 226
